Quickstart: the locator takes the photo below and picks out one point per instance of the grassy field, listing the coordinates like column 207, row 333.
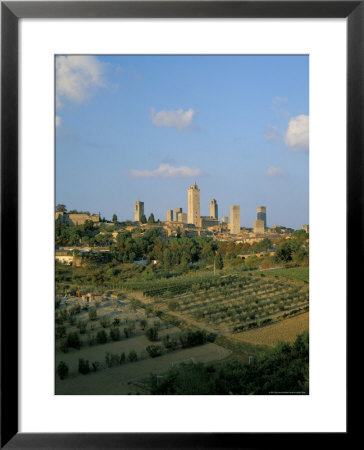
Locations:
column 294, row 273
column 286, row 330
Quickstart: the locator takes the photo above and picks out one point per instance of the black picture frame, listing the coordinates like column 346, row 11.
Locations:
column 11, row 12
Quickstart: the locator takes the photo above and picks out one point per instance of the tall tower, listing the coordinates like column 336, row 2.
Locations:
column 169, row 215
column 235, row 219
column 213, row 209
column 262, row 215
column 193, row 197
column 138, row 211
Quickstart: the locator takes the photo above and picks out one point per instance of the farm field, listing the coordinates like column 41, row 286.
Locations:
column 226, row 304
column 245, row 312
column 294, row 273
column 286, row 330
column 111, row 359
column 124, row 379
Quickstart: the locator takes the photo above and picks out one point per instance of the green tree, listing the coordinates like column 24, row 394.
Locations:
column 143, row 219
column 151, row 219
column 92, row 314
column 84, row 366
column 61, row 208
column 143, row 324
column 285, row 250
column 114, row 218
column 115, row 334
column 219, row 262
column 101, row 337
column 132, row 357
column 73, row 340
column 62, row 370
column 152, row 334
column 154, row 350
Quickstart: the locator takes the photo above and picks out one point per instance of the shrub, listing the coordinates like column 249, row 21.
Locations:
column 116, row 322
column 192, row 338
column 63, row 314
column 115, row 334
column 128, row 331
column 60, row 331
column 63, row 346
column 152, row 334
column 105, row 322
column 96, row 365
column 62, row 370
column 92, row 314
column 75, row 309
column 143, row 324
column 101, row 337
column 170, row 344
column 83, row 366
column 82, row 326
column 73, row 340
column 154, row 350
column 91, row 340
column 132, row 357
column 113, row 359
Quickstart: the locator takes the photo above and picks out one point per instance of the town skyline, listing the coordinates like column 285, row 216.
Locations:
column 145, row 127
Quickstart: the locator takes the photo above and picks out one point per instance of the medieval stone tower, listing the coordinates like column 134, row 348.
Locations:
column 193, row 197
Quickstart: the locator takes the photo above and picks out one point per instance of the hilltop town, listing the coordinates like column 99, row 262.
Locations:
column 178, row 222
column 144, row 300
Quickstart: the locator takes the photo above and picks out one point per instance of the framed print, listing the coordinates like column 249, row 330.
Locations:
column 158, row 152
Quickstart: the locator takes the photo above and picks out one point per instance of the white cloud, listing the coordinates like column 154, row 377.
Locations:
column 167, row 171
column 276, row 172
column 271, row 132
column 297, row 134
column 77, row 77
column 58, row 121
column 178, row 119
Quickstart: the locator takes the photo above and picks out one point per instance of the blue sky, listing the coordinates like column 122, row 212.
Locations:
column 146, row 127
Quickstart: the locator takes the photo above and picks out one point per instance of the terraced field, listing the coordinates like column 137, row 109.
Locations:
column 229, row 304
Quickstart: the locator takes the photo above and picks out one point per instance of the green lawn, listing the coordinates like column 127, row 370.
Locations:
column 295, row 273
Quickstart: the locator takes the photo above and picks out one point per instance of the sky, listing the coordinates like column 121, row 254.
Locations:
column 145, row 127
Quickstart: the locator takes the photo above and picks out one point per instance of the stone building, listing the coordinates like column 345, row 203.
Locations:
column 169, row 215
column 306, row 228
column 181, row 217
column 193, row 200
column 259, row 227
column 138, row 211
column 76, row 219
column 234, row 219
column 80, row 219
column 262, row 215
column 225, row 219
column 206, row 222
column 213, row 209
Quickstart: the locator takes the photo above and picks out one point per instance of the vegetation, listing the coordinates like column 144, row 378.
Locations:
column 283, row 370
column 202, row 297
column 62, row 370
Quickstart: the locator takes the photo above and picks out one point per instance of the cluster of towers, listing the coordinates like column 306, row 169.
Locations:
column 194, row 217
